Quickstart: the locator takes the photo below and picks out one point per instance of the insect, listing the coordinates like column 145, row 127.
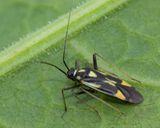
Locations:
column 90, row 80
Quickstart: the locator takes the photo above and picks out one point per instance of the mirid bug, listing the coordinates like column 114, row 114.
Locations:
column 89, row 80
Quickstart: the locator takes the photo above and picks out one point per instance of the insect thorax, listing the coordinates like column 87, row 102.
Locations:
column 72, row 73
column 78, row 74
column 88, row 73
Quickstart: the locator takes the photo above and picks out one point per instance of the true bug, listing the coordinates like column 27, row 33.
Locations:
column 91, row 79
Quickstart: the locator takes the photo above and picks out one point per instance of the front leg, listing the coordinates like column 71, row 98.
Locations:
column 64, row 100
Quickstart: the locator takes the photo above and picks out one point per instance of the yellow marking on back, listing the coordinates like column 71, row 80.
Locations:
column 120, row 95
column 92, row 74
column 78, row 77
column 82, row 70
column 110, row 82
column 125, row 83
column 92, row 85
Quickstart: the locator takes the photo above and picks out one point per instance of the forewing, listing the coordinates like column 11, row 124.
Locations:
column 115, row 87
column 109, row 84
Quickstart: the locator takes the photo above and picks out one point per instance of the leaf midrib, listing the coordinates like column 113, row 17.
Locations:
column 30, row 46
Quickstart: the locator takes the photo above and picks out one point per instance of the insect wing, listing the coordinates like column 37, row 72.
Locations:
column 115, row 87
column 130, row 93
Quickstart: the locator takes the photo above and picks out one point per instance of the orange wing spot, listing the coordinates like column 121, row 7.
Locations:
column 120, row 95
column 125, row 83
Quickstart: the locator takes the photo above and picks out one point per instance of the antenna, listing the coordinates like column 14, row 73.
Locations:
column 64, row 51
column 43, row 62
column 65, row 41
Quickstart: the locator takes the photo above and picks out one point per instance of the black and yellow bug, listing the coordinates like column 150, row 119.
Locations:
column 91, row 79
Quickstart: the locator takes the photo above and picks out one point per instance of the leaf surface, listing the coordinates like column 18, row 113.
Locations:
column 125, row 33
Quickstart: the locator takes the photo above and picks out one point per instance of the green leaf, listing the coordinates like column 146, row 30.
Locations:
column 45, row 37
column 125, row 33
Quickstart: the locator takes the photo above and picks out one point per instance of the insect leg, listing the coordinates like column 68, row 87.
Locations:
column 95, row 62
column 64, row 101
column 96, row 67
column 104, row 102
column 76, row 95
column 82, row 92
